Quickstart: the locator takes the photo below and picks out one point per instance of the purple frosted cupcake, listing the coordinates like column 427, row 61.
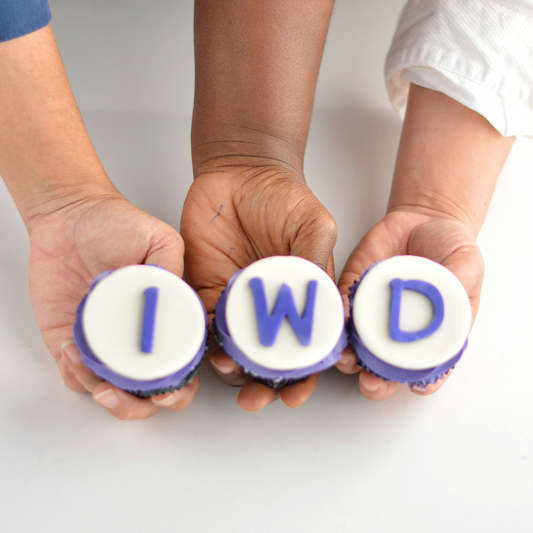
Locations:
column 409, row 320
column 142, row 329
column 281, row 319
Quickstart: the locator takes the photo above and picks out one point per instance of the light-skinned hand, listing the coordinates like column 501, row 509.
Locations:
column 69, row 248
column 441, row 239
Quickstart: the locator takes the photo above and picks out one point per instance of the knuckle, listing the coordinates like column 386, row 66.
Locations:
column 328, row 223
column 323, row 225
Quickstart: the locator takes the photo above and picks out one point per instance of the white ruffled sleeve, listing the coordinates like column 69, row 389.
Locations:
column 478, row 52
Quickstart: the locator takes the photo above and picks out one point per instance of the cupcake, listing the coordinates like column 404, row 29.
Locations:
column 409, row 320
column 142, row 329
column 281, row 319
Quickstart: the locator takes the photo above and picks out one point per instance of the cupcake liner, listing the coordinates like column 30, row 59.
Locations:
column 139, row 388
column 183, row 383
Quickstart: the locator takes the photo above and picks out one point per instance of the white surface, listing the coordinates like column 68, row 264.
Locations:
column 113, row 322
column 287, row 353
column 371, row 312
column 458, row 461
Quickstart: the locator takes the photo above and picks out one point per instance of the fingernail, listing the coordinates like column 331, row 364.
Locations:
column 419, row 388
column 71, row 350
column 108, row 398
column 169, row 400
column 368, row 387
column 223, row 369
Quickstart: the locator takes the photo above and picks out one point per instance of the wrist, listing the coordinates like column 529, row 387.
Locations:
column 52, row 197
column 432, row 205
column 234, row 148
column 241, row 180
column 449, row 160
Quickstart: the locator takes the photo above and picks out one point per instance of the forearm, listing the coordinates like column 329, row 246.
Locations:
column 257, row 65
column 46, row 156
column 448, row 161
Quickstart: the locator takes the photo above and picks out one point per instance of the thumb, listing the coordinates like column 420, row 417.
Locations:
column 315, row 240
column 453, row 246
column 382, row 241
column 166, row 249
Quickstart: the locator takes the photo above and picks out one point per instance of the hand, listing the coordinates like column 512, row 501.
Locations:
column 69, row 247
column 444, row 240
column 233, row 218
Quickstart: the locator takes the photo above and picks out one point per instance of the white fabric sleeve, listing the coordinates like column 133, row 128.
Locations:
column 478, row 52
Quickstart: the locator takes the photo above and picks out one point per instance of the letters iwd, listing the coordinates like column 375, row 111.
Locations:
column 428, row 290
column 269, row 325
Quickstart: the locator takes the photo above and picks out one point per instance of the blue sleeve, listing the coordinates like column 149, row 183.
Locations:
column 20, row 17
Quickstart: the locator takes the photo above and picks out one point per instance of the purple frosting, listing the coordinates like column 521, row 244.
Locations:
column 374, row 364
column 259, row 371
column 91, row 360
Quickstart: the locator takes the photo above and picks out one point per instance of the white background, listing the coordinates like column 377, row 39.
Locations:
column 461, row 460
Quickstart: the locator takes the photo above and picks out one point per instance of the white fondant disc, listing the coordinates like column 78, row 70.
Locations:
column 287, row 353
column 371, row 310
column 113, row 322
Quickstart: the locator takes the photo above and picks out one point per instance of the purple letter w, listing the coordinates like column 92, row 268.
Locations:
column 268, row 325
